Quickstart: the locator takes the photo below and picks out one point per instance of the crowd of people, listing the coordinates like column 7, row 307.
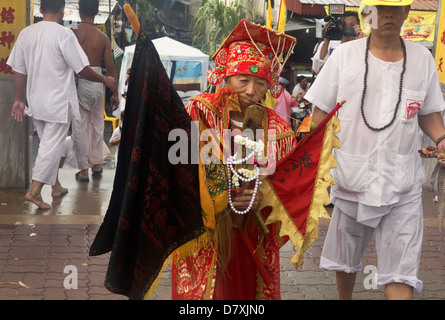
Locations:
column 391, row 90
column 57, row 102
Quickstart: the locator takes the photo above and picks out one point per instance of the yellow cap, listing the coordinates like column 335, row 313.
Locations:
column 387, row 2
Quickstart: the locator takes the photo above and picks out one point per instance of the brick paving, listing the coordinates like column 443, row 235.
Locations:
column 36, row 246
column 33, row 259
column 36, row 256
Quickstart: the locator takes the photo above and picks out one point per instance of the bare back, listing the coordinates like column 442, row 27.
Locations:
column 94, row 42
column 97, row 46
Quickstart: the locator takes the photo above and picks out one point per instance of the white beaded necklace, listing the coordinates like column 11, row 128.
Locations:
column 243, row 174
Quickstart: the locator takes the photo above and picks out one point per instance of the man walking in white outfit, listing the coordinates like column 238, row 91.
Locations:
column 88, row 131
column 379, row 174
column 49, row 54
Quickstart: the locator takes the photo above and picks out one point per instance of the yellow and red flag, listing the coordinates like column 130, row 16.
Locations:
column 440, row 46
column 282, row 17
column 300, row 181
column 281, row 21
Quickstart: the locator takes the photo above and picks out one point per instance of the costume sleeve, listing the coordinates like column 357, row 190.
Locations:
column 434, row 99
column 73, row 53
column 16, row 59
column 323, row 92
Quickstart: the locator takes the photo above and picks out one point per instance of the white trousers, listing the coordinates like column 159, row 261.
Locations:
column 52, row 141
column 398, row 238
column 88, row 131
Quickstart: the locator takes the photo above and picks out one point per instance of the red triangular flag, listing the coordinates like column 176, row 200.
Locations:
column 300, row 181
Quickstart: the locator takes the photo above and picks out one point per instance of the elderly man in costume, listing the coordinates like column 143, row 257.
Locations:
column 248, row 62
column 379, row 175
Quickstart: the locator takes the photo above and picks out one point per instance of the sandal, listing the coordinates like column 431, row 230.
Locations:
column 81, row 179
column 97, row 174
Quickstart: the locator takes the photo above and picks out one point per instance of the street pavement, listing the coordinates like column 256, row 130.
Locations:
column 44, row 254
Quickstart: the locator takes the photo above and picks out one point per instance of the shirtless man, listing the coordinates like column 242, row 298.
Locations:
column 88, row 131
column 50, row 91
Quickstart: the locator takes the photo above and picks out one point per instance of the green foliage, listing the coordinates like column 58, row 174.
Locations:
column 214, row 21
column 146, row 10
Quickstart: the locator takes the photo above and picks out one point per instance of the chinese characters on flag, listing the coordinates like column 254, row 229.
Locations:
column 12, row 21
column 440, row 46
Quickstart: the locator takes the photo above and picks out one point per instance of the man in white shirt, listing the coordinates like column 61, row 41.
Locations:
column 300, row 88
column 392, row 91
column 318, row 60
column 325, row 49
column 48, row 55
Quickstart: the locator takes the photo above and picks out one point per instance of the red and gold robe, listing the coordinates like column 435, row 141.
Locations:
column 195, row 276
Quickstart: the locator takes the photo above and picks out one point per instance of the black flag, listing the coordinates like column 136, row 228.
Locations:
column 155, row 206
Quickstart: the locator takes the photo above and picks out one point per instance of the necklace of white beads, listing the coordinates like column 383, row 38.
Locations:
column 244, row 174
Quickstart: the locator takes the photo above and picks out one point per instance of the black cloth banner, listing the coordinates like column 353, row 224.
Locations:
column 155, row 206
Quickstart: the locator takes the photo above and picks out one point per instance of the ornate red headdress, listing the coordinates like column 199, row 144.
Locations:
column 255, row 50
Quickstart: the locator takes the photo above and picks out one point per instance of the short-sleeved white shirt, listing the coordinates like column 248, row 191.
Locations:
column 317, row 62
column 376, row 168
column 49, row 54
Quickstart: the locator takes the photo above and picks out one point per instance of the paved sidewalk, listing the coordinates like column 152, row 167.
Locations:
column 40, row 250
column 37, row 262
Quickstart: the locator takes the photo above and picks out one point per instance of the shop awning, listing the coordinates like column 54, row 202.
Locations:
column 306, row 9
column 299, row 24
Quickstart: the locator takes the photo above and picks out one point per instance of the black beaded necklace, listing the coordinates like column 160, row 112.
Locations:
column 365, row 78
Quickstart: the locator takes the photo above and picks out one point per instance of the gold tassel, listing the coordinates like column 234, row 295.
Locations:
column 154, row 286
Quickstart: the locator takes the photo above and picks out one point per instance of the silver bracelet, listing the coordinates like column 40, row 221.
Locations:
column 440, row 140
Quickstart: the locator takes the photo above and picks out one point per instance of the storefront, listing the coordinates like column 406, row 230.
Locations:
column 15, row 160
column 420, row 25
column 12, row 21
